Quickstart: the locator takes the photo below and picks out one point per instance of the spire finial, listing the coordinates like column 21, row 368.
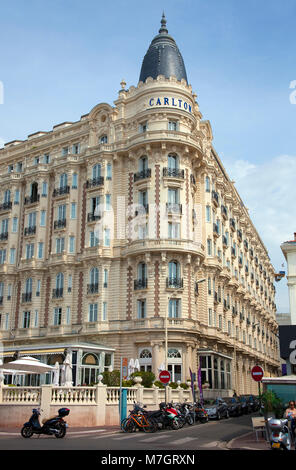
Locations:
column 163, row 28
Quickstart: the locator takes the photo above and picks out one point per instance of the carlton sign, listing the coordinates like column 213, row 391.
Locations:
column 171, row 102
column 288, row 342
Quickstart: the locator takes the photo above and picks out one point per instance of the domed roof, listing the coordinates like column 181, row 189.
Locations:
column 163, row 57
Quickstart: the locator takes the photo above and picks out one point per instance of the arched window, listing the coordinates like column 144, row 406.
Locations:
column 28, row 285
column 94, row 276
column 60, row 281
column 96, row 171
column 174, row 353
column 103, row 139
column 63, row 180
column 90, row 359
column 207, row 183
column 173, row 162
column 145, row 360
column 143, row 163
column 145, row 354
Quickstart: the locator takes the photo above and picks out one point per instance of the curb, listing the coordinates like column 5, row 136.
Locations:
column 229, row 444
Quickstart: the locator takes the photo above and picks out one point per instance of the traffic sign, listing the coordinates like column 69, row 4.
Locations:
column 164, row 376
column 257, row 373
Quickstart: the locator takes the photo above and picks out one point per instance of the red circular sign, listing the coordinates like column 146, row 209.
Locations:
column 257, row 373
column 164, row 376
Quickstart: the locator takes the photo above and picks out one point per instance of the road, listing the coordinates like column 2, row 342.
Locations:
column 210, row 436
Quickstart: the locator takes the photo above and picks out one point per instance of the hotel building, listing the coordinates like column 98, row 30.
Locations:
column 125, row 225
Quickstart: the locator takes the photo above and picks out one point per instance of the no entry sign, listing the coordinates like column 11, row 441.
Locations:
column 257, row 373
column 165, row 376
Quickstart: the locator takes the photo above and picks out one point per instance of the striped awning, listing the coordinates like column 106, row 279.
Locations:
column 33, row 352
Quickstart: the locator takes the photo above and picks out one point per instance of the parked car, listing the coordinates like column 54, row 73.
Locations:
column 216, row 409
column 234, row 406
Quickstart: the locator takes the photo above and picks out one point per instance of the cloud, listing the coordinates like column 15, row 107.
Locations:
column 268, row 190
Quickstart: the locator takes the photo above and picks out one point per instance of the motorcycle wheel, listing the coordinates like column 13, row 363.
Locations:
column 175, row 424
column 152, row 426
column 27, row 431
column 61, row 433
column 189, row 420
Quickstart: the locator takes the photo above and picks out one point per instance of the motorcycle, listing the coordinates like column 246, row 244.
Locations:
column 167, row 416
column 280, row 437
column 54, row 426
column 185, row 413
column 200, row 413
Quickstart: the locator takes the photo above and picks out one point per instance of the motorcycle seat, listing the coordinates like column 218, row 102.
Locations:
column 47, row 419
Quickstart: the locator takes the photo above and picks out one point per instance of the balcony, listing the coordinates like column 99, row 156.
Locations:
column 5, row 206
column 246, row 245
column 240, row 261
column 141, row 175
column 246, row 269
column 251, row 253
column 239, row 235
column 174, row 283
column 216, row 230
column 91, row 217
column 31, row 199
column 256, row 261
column 173, row 173
column 215, row 198
column 61, row 191
column 233, row 252
column 57, row 293
column 140, row 284
column 3, row 236
column 173, row 208
column 27, row 297
column 30, row 230
column 224, row 241
column 94, row 182
column 58, row 224
column 93, row 288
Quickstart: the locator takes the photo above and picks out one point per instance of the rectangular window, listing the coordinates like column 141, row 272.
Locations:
column 73, row 210
column 44, row 189
column 14, row 224
column 93, row 239
column 142, row 231
column 109, row 171
column 210, row 317
column 65, row 151
column 46, row 158
column 30, row 251
column 143, row 127
column 9, row 291
column 93, row 313
column 60, row 245
column 40, row 250
column 70, row 283
column 141, row 308
column 26, row 320
column 71, row 244
column 68, row 315
column 36, row 161
column 57, row 316
column 42, row 218
column 172, row 125
column 4, row 226
column 174, row 308
column 74, row 181
column 36, row 318
column 2, row 256
column 32, row 219
column 104, row 313
column 10, row 168
column 105, row 278
column 108, row 202
column 12, row 256
column 106, row 237
column 209, row 245
column 208, row 214
column 174, row 230
column 6, row 323
column 38, row 288
column 76, row 149
column 62, row 212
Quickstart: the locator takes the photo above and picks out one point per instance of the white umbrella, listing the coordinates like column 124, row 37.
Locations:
column 131, row 367
column 161, row 367
column 28, row 364
column 137, row 364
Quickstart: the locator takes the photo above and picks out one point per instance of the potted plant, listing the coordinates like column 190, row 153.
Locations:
column 271, row 404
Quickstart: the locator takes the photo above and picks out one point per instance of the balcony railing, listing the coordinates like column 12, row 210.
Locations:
column 61, row 191
column 27, row 297
column 5, row 206
column 95, row 182
column 30, row 230
column 142, row 174
column 31, row 199
column 173, row 173
column 140, row 284
column 91, row 217
column 93, row 288
column 174, row 282
column 4, row 236
column 60, row 223
column 57, row 293
column 173, row 208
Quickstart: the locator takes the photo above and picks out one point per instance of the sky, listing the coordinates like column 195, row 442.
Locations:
column 59, row 58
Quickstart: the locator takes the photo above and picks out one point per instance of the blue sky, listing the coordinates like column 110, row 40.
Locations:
column 60, row 58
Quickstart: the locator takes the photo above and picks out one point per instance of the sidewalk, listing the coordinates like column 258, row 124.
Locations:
column 248, row 442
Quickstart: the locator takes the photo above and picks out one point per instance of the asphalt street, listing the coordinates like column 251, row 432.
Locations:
column 210, row 436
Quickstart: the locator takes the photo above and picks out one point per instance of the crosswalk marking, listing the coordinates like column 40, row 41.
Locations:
column 179, row 442
column 155, row 438
column 131, row 435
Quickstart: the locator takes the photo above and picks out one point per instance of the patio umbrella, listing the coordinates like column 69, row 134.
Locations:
column 131, row 367
column 137, row 364
column 27, row 364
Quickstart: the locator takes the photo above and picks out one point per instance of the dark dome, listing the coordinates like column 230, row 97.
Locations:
column 163, row 57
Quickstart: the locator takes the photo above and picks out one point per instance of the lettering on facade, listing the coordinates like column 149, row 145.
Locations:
column 171, row 102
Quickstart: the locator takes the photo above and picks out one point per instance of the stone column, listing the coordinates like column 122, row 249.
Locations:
column 156, row 357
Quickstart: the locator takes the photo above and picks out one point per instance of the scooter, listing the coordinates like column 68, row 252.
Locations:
column 200, row 413
column 280, row 437
column 54, row 426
